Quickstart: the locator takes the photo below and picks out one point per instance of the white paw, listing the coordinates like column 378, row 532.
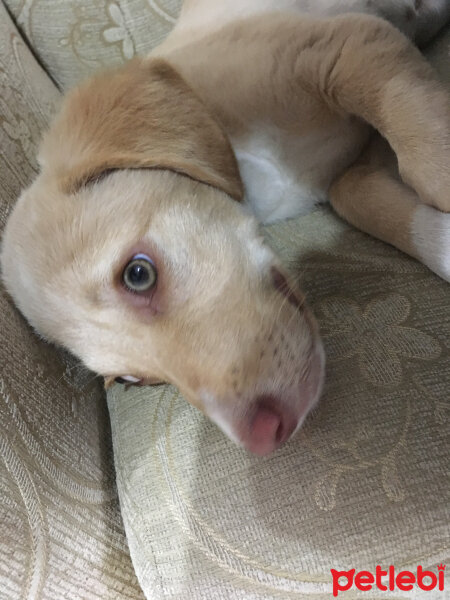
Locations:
column 430, row 232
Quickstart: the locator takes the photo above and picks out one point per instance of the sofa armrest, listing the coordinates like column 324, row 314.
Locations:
column 61, row 534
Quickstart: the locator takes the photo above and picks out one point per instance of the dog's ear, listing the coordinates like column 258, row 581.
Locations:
column 143, row 115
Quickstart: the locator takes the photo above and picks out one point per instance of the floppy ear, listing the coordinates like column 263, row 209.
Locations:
column 143, row 115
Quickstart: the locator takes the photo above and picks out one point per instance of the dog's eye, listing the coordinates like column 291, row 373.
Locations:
column 127, row 379
column 140, row 274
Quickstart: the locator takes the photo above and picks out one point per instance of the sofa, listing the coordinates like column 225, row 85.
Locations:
column 88, row 479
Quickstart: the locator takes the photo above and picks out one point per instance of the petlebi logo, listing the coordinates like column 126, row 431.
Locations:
column 388, row 580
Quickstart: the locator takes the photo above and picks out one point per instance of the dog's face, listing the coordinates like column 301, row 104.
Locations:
column 154, row 276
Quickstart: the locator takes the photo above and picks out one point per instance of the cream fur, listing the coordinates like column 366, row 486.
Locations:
column 155, row 158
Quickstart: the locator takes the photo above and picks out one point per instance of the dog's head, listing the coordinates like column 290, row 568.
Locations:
column 129, row 251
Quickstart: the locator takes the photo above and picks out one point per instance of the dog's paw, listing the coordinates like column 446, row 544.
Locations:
column 430, row 232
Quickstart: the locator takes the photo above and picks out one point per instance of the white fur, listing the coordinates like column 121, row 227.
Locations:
column 215, row 411
column 430, row 231
column 272, row 190
column 281, row 173
column 203, row 14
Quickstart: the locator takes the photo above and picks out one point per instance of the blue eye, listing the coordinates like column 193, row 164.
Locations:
column 140, row 274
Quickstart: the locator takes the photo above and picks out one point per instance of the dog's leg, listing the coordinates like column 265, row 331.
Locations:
column 371, row 197
column 379, row 76
column 299, row 71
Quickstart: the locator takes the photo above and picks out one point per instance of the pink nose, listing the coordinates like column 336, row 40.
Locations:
column 270, row 427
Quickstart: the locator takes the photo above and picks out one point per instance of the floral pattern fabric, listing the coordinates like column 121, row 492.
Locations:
column 61, row 533
column 74, row 38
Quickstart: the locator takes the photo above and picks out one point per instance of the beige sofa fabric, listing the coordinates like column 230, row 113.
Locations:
column 61, row 534
column 73, row 38
column 367, row 480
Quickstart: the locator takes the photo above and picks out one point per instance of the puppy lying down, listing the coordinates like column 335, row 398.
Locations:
column 135, row 247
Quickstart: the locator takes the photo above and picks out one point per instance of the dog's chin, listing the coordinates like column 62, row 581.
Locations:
column 314, row 384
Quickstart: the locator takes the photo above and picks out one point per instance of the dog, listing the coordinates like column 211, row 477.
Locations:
column 138, row 245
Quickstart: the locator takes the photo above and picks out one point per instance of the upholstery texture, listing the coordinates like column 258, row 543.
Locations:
column 366, row 481
column 61, row 534
column 82, row 36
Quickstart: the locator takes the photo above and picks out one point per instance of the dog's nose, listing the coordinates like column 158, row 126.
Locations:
column 270, row 426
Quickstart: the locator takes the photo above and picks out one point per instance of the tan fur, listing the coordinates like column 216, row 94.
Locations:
column 302, row 72
column 213, row 269
column 143, row 160
column 101, row 125
column 371, row 196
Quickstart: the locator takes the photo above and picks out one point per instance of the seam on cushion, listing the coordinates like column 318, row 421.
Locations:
column 123, row 489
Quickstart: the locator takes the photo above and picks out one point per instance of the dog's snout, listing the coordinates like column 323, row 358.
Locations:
column 285, row 288
column 270, row 426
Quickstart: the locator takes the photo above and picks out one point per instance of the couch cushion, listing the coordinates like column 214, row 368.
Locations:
column 61, row 534
column 74, row 38
column 364, row 483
